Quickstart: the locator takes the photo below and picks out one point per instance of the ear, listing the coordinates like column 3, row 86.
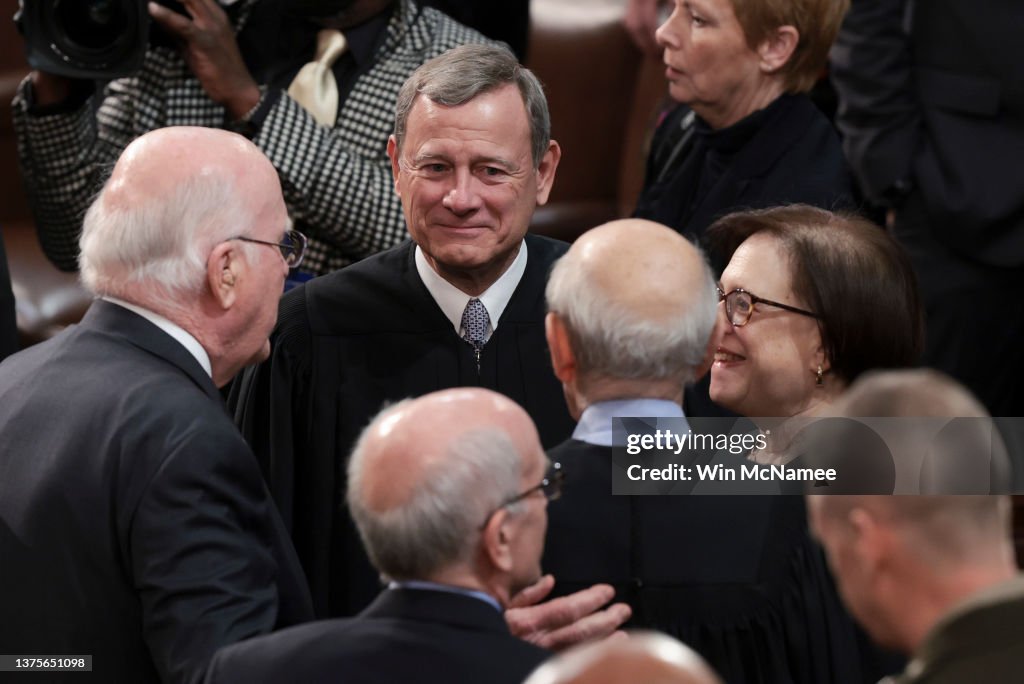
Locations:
column 393, row 155
column 563, row 360
column 497, row 541
column 546, row 171
column 870, row 539
column 223, row 270
column 778, row 48
column 821, row 359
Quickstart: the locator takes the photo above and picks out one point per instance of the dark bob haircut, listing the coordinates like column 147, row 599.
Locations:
column 850, row 272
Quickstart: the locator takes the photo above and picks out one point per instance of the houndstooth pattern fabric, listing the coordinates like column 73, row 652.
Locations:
column 337, row 182
column 474, row 323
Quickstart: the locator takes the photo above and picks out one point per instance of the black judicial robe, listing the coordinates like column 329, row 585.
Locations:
column 350, row 342
column 737, row 578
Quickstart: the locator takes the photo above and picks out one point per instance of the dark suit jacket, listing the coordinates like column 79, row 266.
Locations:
column 406, row 635
column 930, row 95
column 737, row 578
column 348, row 343
column 979, row 640
column 134, row 525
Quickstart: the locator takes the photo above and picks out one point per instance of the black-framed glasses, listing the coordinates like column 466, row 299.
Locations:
column 550, row 487
column 739, row 305
column 293, row 246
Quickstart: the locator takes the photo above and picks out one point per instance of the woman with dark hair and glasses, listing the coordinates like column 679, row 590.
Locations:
column 810, row 299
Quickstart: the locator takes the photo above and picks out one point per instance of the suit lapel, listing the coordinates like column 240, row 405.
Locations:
column 118, row 321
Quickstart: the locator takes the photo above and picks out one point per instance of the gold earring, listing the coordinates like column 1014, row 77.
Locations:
column 818, row 379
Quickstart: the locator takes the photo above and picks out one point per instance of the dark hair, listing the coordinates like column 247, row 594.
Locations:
column 851, row 273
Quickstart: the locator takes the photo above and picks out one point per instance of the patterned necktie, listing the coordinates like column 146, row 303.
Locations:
column 474, row 326
column 314, row 87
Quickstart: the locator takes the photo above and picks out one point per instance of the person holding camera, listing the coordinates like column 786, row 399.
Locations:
column 311, row 82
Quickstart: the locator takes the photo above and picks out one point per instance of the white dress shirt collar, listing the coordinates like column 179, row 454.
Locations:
column 452, row 300
column 183, row 337
column 595, row 426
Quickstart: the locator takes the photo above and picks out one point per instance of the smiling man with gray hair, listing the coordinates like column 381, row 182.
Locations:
column 449, row 493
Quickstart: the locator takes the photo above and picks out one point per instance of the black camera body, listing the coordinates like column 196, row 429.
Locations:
column 89, row 39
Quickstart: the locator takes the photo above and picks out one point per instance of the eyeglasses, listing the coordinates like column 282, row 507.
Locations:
column 550, row 487
column 739, row 305
column 293, row 246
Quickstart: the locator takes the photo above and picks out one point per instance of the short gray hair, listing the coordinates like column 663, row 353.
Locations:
column 440, row 524
column 161, row 244
column 942, row 529
column 461, row 74
column 612, row 341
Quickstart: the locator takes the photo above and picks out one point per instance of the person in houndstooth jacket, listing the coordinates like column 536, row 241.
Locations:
column 337, row 181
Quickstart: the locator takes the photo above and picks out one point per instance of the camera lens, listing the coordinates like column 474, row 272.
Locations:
column 91, row 24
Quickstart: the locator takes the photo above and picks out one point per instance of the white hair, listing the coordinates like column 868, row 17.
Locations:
column 612, row 341
column 160, row 245
column 439, row 525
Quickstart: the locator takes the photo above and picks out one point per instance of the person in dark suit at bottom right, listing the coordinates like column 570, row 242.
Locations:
column 632, row 309
column 932, row 115
column 449, row 493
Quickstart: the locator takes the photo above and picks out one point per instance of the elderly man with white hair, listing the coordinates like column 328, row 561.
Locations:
column 449, row 493
column 135, row 527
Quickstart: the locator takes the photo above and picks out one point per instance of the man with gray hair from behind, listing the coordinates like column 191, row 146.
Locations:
column 931, row 576
column 134, row 524
column 631, row 311
column 449, row 493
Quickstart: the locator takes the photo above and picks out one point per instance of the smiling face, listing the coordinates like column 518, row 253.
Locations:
column 765, row 368
column 709, row 64
column 469, row 185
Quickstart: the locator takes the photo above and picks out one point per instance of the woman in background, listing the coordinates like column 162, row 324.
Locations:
column 744, row 134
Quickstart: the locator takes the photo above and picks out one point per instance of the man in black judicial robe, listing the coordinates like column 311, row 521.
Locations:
column 737, row 578
column 460, row 304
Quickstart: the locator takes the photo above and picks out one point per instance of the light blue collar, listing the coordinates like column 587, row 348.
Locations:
column 595, row 426
column 434, row 586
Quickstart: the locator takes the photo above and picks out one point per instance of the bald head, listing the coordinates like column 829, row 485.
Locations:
column 638, row 302
column 641, row 266
column 426, row 474
column 647, row 657
column 413, row 439
column 173, row 194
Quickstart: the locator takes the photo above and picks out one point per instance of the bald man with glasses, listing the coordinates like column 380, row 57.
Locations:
column 449, row 493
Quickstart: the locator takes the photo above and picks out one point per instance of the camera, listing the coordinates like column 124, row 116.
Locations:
column 90, row 39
